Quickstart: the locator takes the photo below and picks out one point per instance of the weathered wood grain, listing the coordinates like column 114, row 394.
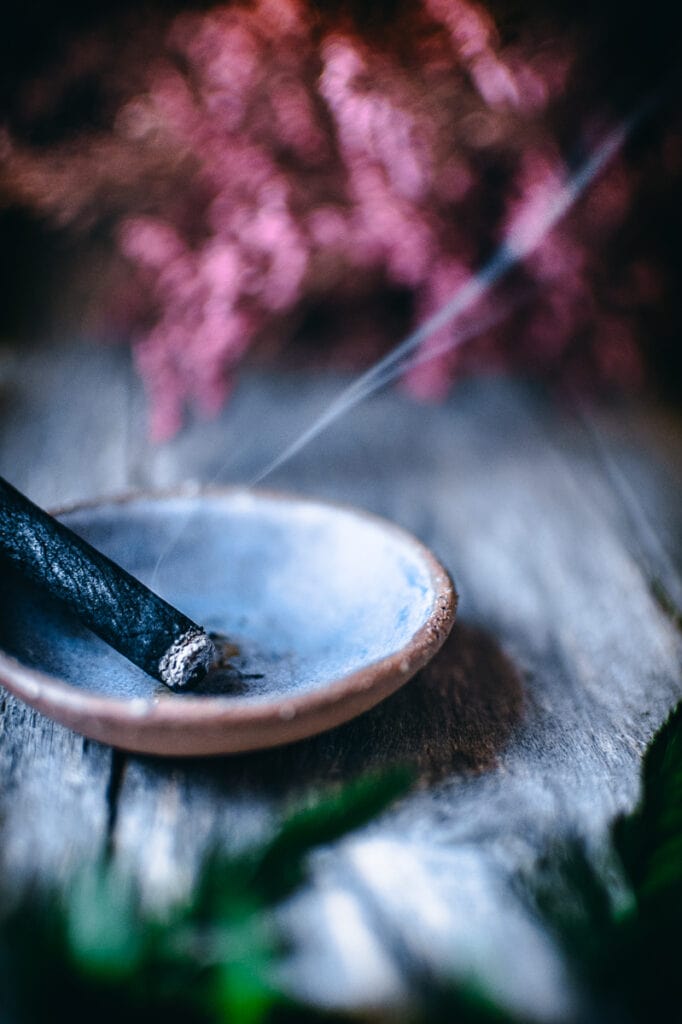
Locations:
column 560, row 528
column 63, row 437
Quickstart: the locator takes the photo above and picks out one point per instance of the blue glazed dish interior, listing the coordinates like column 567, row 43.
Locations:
column 307, row 592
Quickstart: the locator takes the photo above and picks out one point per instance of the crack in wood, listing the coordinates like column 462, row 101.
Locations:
column 113, row 792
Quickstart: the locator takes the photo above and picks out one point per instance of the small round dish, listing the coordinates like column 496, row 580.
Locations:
column 329, row 610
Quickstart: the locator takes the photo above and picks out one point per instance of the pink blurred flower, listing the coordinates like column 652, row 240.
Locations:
column 267, row 158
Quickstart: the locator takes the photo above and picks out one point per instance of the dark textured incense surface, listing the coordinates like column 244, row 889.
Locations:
column 112, row 603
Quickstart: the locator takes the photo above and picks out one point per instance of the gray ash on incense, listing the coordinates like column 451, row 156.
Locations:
column 131, row 618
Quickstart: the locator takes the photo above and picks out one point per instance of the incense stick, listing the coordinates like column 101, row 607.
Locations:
column 139, row 624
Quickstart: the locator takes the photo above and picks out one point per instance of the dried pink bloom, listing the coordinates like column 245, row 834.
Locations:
column 262, row 160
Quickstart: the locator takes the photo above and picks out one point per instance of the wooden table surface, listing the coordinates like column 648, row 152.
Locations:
column 563, row 533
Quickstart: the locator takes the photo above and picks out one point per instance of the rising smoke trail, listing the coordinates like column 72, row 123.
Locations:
column 520, row 241
column 515, row 247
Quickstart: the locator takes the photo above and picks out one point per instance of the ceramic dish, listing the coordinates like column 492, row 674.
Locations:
column 330, row 610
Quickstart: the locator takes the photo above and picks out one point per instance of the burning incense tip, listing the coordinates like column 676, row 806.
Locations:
column 187, row 660
column 134, row 620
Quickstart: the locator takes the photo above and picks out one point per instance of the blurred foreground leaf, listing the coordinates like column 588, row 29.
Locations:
column 96, row 953
column 620, row 924
column 649, row 840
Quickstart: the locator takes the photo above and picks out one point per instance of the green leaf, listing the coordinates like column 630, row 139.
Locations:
column 103, row 930
column 241, row 992
column 649, row 840
column 575, row 901
column 327, row 818
column 622, row 936
column 211, row 961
